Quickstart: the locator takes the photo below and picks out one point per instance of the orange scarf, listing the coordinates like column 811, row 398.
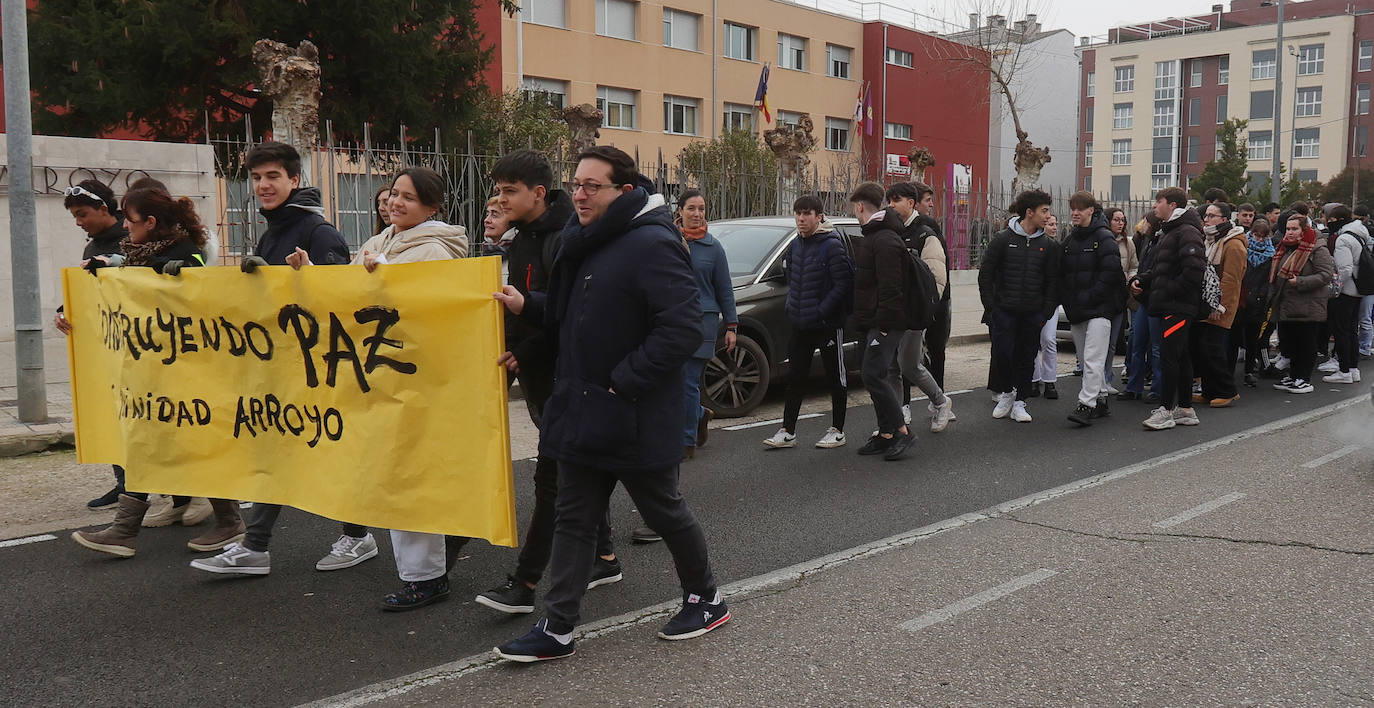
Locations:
column 694, row 234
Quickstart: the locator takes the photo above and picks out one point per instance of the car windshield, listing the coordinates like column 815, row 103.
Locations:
column 747, row 245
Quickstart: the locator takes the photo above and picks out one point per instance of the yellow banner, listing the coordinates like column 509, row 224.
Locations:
column 373, row 398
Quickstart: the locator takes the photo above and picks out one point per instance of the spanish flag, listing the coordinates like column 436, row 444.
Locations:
column 761, row 96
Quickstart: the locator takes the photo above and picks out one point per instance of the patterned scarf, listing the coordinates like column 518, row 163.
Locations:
column 141, row 254
column 1286, row 266
column 1260, row 252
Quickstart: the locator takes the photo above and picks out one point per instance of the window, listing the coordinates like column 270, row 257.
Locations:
column 1121, row 188
column 1306, row 142
column 1121, row 152
column 1262, row 64
column 837, row 134
column 896, row 131
column 1253, row 180
column 1309, row 102
column 1195, row 111
column 1125, row 79
column 553, row 92
column 1362, row 100
column 1305, row 175
column 1195, row 76
column 1166, row 80
column 1087, row 155
column 680, row 29
column 1221, row 109
column 680, row 115
column 740, row 41
column 837, row 61
column 1366, row 55
column 1262, row 105
column 1161, row 151
column 1091, row 91
column 898, row 57
column 617, row 107
column 1164, row 119
column 739, row 117
column 1311, row 59
column 791, row 52
column 1088, row 119
column 1193, row 148
column 1123, row 116
column 1161, row 176
column 616, row 18
column 543, row 12
column 1361, row 141
column 1260, row 146
column 1087, row 183
column 789, row 118
column 1224, row 71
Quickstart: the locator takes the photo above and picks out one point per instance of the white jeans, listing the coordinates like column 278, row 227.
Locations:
column 419, row 556
column 1047, row 361
column 1092, row 339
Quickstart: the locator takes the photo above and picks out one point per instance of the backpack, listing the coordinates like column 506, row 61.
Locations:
column 922, row 298
column 1364, row 270
column 1211, row 288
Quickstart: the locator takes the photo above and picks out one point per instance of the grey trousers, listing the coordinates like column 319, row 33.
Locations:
column 911, row 362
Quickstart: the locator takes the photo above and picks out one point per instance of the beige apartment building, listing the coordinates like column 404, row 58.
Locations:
column 667, row 74
column 1150, row 107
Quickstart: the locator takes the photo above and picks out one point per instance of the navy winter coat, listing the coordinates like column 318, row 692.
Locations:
column 623, row 309
column 532, row 253
column 1091, row 282
column 820, row 280
column 300, row 222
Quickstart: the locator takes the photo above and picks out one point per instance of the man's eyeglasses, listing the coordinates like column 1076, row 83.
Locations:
column 81, row 192
column 590, row 188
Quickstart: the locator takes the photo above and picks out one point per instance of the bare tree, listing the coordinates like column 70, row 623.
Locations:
column 1000, row 49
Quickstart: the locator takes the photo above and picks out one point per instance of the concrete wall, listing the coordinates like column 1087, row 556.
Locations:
column 188, row 170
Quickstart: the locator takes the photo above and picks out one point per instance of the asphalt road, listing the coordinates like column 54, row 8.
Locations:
column 81, row 627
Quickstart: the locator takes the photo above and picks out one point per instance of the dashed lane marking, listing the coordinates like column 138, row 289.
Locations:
column 1198, row 510
column 973, row 602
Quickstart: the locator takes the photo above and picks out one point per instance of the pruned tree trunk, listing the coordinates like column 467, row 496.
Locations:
column 291, row 79
column 1030, row 160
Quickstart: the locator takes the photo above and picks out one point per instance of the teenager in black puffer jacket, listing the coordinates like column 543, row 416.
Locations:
column 1092, row 288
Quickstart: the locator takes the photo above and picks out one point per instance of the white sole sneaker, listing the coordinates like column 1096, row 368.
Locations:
column 372, row 553
column 485, row 601
column 232, row 570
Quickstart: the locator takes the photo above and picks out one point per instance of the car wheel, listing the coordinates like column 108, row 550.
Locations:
column 734, row 383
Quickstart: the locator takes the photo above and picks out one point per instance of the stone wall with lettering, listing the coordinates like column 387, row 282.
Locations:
column 188, row 170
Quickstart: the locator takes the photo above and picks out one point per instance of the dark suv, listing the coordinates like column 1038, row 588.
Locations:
column 734, row 383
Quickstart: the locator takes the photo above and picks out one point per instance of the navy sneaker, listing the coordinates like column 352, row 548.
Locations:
column 696, row 618
column 605, row 572
column 536, row 645
column 876, row 445
column 106, row 500
column 414, row 595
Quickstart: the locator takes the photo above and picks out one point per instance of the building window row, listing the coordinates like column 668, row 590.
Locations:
column 1306, row 143
column 1365, row 57
column 1309, row 102
column 1124, row 81
column 1166, row 80
column 896, row 131
column 1165, row 121
column 681, row 29
column 616, row 18
column 1262, row 64
column 1311, row 59
column 1088, row 154
column 1121, row 152
column 1260, row 145
column 1123, row 116
column 1362, row 100
column 899, row 58
column 1091, row 92
column 791, row 52
column 1224, row 71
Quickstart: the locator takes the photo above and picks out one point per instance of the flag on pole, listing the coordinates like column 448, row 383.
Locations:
column 761, row 96
column 859, row 103
column 868, row 111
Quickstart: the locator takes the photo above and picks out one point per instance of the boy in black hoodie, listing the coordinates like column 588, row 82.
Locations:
column 1092, row 288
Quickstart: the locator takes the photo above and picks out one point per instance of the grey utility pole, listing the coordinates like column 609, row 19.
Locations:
column 1275, row 181
column 28, row 317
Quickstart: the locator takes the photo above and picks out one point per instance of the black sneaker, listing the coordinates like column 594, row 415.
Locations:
column 1035, row 390
column 901, row 444
column 512, row 597
column 1128, row 396
column 1082, row 415
column 536, row 645
column 605, row 572
column 1251, row 380
column 105, row 501
column 696, row 618
column 417, row 594
column 1153, row 398
column 1051, row 393
column 1101, row 411
column 876, row 445
column 644, row 534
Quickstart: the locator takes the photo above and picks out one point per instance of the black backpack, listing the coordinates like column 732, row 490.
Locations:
column 921, row 292
column 1364, row 269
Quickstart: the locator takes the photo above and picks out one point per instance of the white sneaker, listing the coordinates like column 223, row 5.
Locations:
column 1019, row 413
column 348, row 552
column 1339, row 378
column 1185, row 416
column 197, row 511
column 1281, row 363
column 1110, row 390
column 1330, row 366
column 1004, row 404
column 1355, row 373
column 906, row 414
column 942, row 416
column 832, row 438
column 1160, row 419
column 782, row 438
column 1301, row 386
column 236, row 560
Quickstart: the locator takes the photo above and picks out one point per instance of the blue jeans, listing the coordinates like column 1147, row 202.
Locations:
column 1366, row 324
column 692, row 409
column 1147, row 334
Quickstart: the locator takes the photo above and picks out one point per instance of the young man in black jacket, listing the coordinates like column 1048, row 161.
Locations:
column 538, row 212
column 1174, row 284
column 1017, row 281
column 880, row 310
column 1092, row 288
column 623, row 313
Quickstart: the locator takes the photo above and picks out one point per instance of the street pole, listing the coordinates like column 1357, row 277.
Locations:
column 28, row 319
column 1275, row 183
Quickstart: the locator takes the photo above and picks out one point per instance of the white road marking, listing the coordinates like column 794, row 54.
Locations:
column 1198, row 510
column 764, row 423
column 27, row 540
column 1314, row 464
column 973, row 602
column 485, row 660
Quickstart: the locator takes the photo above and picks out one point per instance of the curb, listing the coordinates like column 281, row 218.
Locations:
column 968, row 339
column 28, row 442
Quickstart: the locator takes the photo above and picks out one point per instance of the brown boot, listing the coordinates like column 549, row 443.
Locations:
column 117, row 539
column 228, row 528
column 702, row 430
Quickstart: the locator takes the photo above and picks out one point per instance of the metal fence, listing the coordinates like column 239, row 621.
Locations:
column 349, row 175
